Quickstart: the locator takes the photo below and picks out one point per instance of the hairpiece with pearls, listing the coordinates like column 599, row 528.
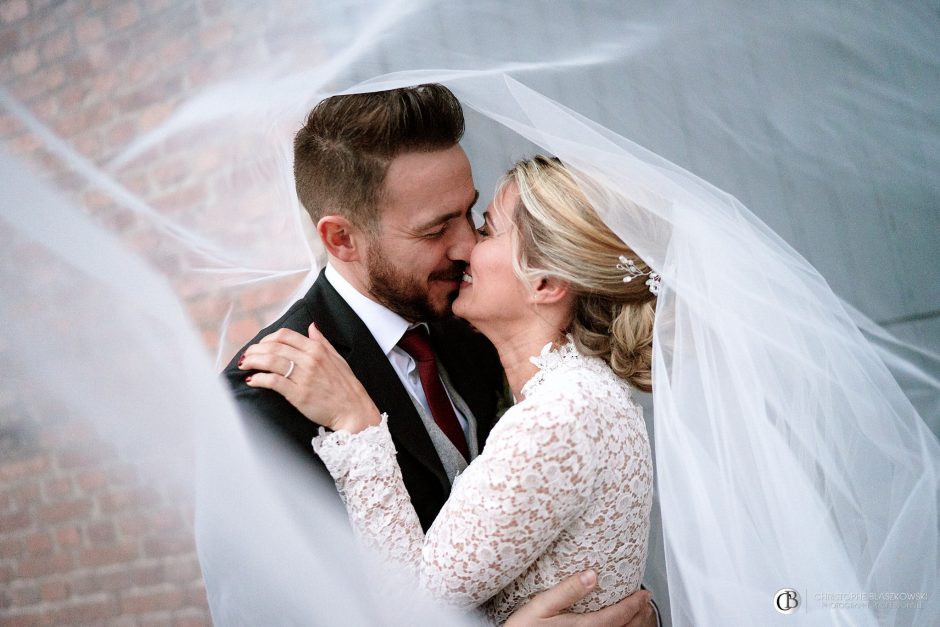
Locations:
column 629, row 267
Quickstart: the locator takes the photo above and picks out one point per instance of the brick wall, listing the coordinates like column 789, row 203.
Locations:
column 85, row 536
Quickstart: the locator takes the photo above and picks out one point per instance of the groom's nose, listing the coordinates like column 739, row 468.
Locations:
column 462, row 242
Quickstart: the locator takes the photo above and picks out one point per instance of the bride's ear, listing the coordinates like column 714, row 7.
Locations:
column 340, row 237
column 549, row 289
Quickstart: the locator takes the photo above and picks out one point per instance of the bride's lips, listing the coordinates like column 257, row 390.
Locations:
column 466, row 279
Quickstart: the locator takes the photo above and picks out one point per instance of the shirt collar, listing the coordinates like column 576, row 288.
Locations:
column 385, row 325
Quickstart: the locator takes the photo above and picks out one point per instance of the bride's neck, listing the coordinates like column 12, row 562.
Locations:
column 516, row 346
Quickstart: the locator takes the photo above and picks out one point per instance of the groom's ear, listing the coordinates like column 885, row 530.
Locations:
column 341, row 238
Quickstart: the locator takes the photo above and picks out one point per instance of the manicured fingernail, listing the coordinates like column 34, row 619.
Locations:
column 248, row 379
column 241, row 360
column 588, row 578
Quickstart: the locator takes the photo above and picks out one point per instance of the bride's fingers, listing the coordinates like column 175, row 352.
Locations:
column 271, row 381
column 270, row 362
column 297, row 340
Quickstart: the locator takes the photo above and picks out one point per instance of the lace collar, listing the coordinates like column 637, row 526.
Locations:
column 553, row 358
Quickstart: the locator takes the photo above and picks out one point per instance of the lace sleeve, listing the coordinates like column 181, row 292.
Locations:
column 504, row 511
column 370, row 485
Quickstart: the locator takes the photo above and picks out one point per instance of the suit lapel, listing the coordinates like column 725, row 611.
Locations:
column 348, row 334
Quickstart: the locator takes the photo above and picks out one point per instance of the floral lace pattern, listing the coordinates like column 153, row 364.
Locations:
column 563, row 484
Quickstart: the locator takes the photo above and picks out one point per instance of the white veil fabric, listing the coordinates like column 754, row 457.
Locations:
column 792, row 434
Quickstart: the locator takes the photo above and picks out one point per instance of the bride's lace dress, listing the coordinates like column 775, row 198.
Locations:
column 563, row 484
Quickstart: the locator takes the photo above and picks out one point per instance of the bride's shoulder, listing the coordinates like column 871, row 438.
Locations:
column 566, row 370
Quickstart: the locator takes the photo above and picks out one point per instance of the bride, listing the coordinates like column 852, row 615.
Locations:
column 565, row 481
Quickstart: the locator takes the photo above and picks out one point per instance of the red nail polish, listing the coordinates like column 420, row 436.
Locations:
column 241, row 359
column 248, row 378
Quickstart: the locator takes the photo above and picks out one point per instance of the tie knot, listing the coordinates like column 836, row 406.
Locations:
column 417, row 343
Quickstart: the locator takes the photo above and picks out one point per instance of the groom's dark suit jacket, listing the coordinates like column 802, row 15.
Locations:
column 469, row 359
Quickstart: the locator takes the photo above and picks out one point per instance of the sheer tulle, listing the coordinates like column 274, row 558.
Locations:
column 790, row 438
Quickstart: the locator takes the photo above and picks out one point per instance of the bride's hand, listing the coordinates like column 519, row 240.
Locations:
column 319, row 383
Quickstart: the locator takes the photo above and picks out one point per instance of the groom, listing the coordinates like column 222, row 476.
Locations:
column 390, row 192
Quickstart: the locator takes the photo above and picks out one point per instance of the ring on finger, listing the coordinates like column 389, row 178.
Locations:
column 290, row 369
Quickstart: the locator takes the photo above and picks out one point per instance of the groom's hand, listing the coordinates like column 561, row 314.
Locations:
column 547, row 608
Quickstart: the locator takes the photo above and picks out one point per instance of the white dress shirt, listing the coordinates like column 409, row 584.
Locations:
column 387, row 327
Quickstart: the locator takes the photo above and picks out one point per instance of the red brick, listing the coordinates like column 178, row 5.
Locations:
column 68, row 536
column 81, row 120
column 23, row 467
column 182, row 570
column 25, row 143
column 24, row 595
column 13, row 10
column 166, row 520
column 85, row 612
column 91, row 480
column 154, row 115
column 13, row 521
column 101, row 556
column 192, row 621
column 24, row 61
column 67, row 510
column 49, row 438
column 21, row 620
column 57, row 488
column 25, row 494
column 210, row 339
column 240, row 331
column 84, row 583
column 54, row 591
column 118, row 134
column 170, row 172
column 123, row 15
column 82, row 430
column 133, row 526
column 57, row 46
column 39, row 566
column 168, row 546
column 196, row 596
column 39, row 544
column 141, row 603
column 6, row 70
column 10, row 547
column 89, row 29
column 132, row 498
column 155, row 6
column 40, row 82
column 9, row 42
column 114, row 580
column 149, row 575
column 86, row 456
column 101, row 533
column 215, row 35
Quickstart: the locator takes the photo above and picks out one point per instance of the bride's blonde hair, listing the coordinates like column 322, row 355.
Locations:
column 560, row 234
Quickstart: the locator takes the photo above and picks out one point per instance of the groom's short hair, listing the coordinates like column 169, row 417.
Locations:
column 343, row 151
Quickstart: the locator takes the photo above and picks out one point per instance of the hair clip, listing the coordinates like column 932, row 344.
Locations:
column 628, row 266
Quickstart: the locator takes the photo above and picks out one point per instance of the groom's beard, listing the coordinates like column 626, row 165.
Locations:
column 406, row 294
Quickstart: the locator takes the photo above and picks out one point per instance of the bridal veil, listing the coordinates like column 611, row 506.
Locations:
column 796, row 447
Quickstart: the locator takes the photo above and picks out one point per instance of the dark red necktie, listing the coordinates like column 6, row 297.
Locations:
column 417, row 343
